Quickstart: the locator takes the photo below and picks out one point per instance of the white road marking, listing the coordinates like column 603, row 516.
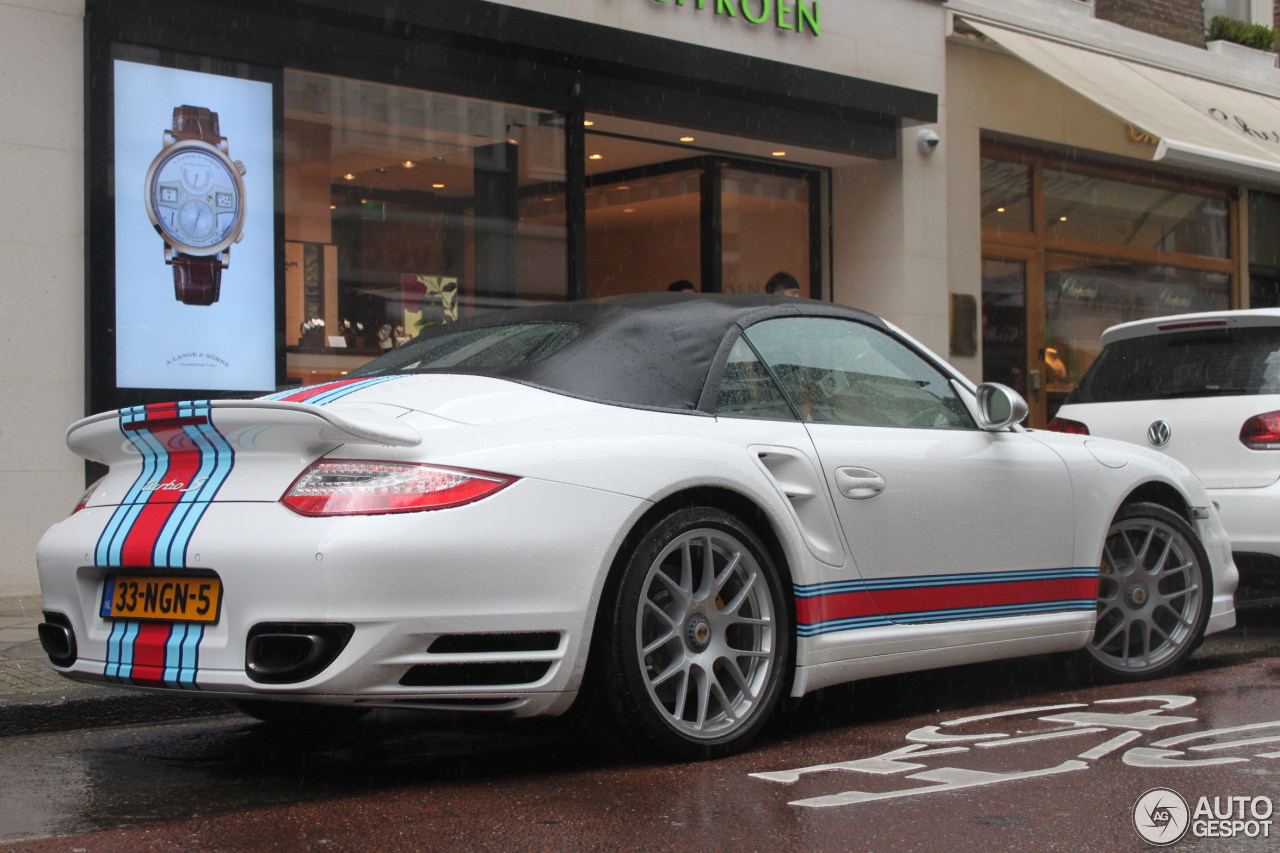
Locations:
column 1142, row 756
column 1042, row 736
column 1110, row 746
column 1170, row 701
column 882, row 765
column 1013, row 713
column 1139, row 720
column 931, row 734
column 951, row 779
column 1252, row 727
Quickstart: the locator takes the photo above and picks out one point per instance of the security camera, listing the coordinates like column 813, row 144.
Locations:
column 927, row 141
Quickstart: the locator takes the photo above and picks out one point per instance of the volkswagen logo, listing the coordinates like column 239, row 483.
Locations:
column 1159, row 433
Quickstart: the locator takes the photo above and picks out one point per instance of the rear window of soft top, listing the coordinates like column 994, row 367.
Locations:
column 1194, row 363
column 488, row 350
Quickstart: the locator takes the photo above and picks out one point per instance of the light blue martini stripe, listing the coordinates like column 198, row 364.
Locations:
column 173, row 655
column 112, row 669
column 213, row 446
column 191, row 657
column 148, row 445
column 125, row 670
column 336, row 393
column 126, row 512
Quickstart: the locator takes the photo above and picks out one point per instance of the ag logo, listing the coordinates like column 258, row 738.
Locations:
column 1161, row 816
column 1159, row 433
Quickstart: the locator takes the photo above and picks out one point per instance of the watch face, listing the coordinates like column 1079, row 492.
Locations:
column 195, row 199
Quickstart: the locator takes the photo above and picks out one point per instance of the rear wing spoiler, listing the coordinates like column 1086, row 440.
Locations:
column 267, row 425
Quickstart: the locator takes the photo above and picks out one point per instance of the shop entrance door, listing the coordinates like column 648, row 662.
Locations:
column 1008, row 291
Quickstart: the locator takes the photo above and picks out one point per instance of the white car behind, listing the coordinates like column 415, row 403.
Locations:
column 1205, row 389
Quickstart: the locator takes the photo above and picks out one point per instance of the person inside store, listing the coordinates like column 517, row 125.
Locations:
column 782, row 284
column 682, row 286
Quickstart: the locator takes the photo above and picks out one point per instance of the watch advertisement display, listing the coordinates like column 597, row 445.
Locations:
column 195, row 230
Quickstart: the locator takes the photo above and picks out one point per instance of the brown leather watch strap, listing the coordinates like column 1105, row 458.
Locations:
column 196, row 281
column 196, row 123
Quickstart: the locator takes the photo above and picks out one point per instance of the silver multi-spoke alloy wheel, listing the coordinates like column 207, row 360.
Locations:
column 1151, row 596
column 705, row 634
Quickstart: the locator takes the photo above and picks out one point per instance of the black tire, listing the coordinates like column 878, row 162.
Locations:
column 694, row 663
column 1154, row 596
column 298, row 715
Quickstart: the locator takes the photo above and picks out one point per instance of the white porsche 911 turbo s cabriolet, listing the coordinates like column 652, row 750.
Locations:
column 688, row 505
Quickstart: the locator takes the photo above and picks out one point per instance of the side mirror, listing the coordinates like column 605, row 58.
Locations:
column 999, row 406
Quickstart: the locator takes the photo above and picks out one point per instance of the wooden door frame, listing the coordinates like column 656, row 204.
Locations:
column 1033, row 305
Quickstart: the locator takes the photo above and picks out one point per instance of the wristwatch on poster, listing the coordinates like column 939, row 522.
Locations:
column 195, row 199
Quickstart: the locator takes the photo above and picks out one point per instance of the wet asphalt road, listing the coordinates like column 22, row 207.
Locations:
column 402, row 781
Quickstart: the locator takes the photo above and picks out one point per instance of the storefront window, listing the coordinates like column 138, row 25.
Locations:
column 406, row 208
column 1111, row 246
column 1006, row 195
column 661, row 210
column 1264, row 250
column 643, row 233
column 765, row 227
column 1085, row 207
column 1085, row 296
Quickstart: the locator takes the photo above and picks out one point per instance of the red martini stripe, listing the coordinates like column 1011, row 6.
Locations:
column 316, row 390
column 148, row 654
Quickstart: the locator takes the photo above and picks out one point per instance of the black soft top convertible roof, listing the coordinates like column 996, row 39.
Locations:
column 652, row 350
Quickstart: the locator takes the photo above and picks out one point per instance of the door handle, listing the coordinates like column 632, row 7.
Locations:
column 859, row 483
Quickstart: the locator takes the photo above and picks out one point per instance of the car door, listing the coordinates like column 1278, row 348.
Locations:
column 944, row 520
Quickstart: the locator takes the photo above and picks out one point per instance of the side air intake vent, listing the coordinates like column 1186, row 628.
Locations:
column 527, row 641
column 475, row 674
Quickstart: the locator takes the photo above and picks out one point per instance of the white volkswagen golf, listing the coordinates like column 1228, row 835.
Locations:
column 686, row 505
column 1205, row 389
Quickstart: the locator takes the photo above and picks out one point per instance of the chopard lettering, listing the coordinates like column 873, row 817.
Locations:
column 175, row 485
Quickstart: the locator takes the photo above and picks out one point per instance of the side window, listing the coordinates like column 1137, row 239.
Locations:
column 747, row 390
column 841, row 371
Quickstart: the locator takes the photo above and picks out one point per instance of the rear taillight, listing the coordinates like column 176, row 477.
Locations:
column 1068, row 426
column 364, row 487
column 88, row 493
column 1261, row 432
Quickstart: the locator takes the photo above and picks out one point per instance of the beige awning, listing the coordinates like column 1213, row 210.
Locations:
column 1202, row 125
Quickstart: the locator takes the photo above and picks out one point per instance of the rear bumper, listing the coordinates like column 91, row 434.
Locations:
column 531, row 558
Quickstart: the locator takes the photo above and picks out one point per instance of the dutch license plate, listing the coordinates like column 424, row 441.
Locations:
column 162, row 598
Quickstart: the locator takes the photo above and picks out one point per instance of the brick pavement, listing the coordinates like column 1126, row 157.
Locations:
column 24, row 670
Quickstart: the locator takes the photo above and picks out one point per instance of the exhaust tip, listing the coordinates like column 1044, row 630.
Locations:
column 289, row 652
column 58, row 639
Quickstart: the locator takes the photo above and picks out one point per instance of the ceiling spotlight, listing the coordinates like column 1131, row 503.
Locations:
column 779, row 154
column 349, row 176
column 588, row 123
column 686, row 139
column 437, row 186
column 409, row 164
column 999, row 210
column 333, row 207
column 596, row 157
column 1062, row 219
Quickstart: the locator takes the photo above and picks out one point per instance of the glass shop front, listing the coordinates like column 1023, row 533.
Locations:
column 308, row 203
